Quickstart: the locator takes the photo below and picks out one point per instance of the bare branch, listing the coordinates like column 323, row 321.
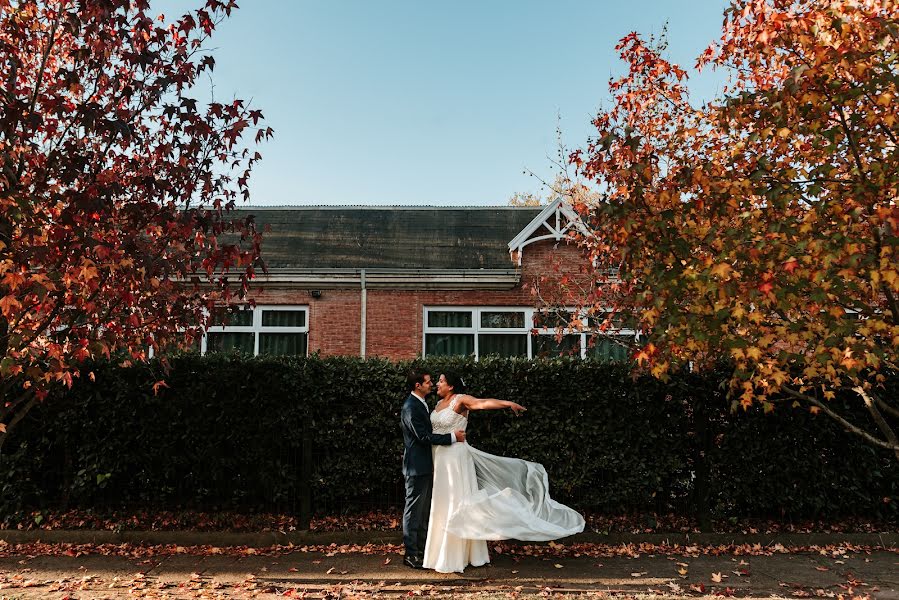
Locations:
column 884, row 427
column 884, row 405
column 842, row 421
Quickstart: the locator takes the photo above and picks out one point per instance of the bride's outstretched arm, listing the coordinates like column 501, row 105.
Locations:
column 472, row 403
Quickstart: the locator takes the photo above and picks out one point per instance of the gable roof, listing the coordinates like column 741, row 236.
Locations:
column 556, row 221
column 389, row 237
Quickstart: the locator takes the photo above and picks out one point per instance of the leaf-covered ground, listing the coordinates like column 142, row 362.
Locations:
column 391, row 521
column 552, row 549
column 646, row 571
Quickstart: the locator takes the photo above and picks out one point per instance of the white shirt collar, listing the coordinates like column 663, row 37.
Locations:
column 420, row 398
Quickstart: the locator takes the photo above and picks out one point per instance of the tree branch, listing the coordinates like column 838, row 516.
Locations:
column 18, row 416
column 40, row 77
column 839, row 419
column 884, row 405
column 888, row 293
column 884, row 427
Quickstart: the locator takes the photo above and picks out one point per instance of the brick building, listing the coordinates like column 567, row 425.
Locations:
column 401, row 282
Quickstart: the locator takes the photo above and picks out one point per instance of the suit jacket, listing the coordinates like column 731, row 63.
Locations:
column 418, row 437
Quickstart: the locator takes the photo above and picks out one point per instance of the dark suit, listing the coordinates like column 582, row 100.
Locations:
column 418, row 469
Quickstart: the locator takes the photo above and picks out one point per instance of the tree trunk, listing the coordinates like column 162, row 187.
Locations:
column 704, row 437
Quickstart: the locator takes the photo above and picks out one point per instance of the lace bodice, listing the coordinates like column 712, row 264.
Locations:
column 447, row 419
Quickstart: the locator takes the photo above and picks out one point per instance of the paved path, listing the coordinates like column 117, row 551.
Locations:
column 24, row 577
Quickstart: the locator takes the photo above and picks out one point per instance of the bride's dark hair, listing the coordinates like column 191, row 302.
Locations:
column 456, row 381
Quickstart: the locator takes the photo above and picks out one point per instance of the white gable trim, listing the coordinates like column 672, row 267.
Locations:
column 557, row 220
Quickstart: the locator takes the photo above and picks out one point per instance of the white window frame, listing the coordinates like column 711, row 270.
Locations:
column 258, row 328
column 476, row 330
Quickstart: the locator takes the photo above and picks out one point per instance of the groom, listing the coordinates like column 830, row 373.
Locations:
column 418, row 464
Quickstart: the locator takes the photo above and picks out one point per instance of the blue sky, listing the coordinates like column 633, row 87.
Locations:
column 431, row 102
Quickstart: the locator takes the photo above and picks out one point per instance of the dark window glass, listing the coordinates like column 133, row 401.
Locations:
column 232, row 317
column 552, row 319
column 282, row 344
column 283, row 318
column 446, row 318
column 503, row 344
column 618, row 321
column 502, row 320
column 446, row 344
column 546, row 346
column 228, row 342
column 606, row 349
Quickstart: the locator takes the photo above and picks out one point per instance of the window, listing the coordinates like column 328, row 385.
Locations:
column 455, row 331
column 611, row 348
column 614, row 344
column 271, row 330
column 518, row 331
column 553, row 336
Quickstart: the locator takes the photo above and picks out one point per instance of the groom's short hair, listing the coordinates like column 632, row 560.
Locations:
column 415, row 376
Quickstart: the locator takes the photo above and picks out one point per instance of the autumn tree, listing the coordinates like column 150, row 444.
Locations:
column 114, row 190
column 566, row 182
column 761, row 227
column 570, row 189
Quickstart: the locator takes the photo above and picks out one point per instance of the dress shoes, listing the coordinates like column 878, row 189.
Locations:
column 413, row 561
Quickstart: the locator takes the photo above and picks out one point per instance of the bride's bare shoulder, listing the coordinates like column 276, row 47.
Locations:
column 460, row 403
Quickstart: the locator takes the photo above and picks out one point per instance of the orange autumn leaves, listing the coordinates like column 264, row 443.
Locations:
column 760, row 227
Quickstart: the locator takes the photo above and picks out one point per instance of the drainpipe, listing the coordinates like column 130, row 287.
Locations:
column 364, row 301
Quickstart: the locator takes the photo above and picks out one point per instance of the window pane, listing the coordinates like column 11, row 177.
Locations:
column 503, row 344
column 445, row 318
column 233, row 317
column 619, row 321
column 227, row 342
column 173, row 346
column 282, row 344
column 547, row 346
column 552, row 319
column 498, row 320
column 283, row 318
column 445, row 344
column 607, row 350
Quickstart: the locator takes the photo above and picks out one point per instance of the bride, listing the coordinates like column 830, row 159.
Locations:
column 479, row 496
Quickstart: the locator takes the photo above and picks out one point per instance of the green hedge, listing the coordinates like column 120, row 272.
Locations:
column 226, row 434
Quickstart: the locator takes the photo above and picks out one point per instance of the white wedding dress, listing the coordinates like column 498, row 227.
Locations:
column 479, row 496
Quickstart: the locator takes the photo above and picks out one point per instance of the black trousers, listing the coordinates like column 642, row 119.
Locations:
column 416, row 513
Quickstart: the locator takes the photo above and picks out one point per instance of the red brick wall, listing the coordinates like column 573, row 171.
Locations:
column 394, row 317
column 333, row 318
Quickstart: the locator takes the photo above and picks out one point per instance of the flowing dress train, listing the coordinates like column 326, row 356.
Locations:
column 479, row 496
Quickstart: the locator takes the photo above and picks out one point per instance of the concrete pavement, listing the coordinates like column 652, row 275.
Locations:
column 175, row 572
